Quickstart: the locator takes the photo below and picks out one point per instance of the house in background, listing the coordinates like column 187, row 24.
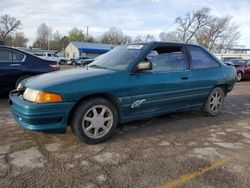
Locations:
column 75, row 50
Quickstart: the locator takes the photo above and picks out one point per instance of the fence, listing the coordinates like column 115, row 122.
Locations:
column 244, row 56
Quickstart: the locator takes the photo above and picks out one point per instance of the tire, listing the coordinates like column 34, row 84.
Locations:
column 21, row 79
column 73, row 63
column 214, row 103
column 94, row 120
column 239, row 76
column 62, row 62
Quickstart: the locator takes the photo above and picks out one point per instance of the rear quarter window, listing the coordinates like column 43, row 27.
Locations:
column 201, row 59
column 7, row 55
column 17, row 57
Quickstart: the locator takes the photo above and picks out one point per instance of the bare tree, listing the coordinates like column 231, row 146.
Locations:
column 214, row 33
column 149, row 38
column 173, row 36
column 90, row 38
column 43, row 37
column 8, row 25
column 115, row 36
column 64, row 41
column 146, row 38
column 190, row 24
column 218, row 34
column 139, row 39
column 19, row 40
column 55, row 43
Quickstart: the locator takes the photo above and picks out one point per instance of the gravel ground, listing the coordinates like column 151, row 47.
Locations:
column 185, row 149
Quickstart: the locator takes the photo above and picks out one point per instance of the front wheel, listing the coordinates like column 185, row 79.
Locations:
column 95, row 120
column 62, row 62
column 215, row 101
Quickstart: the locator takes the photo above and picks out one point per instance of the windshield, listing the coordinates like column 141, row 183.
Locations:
column 119, row 58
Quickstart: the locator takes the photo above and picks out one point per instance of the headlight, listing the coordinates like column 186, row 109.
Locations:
column 41, row 96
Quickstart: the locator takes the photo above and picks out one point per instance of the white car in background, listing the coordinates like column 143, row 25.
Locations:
column 52, row 57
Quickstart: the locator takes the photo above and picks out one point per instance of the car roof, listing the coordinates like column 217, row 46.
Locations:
column 11, row 48
column 163, row 43
column 21, row 51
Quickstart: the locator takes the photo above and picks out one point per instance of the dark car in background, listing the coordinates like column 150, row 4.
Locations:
column 242, row 68
column 16, row 65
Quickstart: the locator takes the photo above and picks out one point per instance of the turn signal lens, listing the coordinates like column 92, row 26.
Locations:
column 44, row 97
column 41, row 96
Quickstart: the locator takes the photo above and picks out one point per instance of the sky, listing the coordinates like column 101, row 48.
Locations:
column 133, row 17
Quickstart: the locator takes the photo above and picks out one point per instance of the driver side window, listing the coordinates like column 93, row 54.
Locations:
column 167, row 59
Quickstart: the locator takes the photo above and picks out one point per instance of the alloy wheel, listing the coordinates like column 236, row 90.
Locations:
column 97, row 121
column 239, row 76
column 216, row 101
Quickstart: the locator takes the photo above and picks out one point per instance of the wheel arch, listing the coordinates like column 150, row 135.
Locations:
column 111, row 98
column 241, row 71
column 224, row 87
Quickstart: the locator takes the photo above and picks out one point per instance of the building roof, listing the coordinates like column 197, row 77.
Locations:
column 88, row 47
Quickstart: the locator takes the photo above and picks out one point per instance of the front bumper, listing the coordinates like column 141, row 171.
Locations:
column 40, row 117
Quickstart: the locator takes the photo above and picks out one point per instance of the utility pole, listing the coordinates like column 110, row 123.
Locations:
column 87, row 34
column 48, row 40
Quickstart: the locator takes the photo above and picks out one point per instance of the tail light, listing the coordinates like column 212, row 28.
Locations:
column 55, row 67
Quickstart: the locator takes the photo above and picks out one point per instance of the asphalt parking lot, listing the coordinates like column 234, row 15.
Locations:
column 184, row 149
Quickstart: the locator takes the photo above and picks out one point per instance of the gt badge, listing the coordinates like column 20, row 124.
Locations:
column 137, row 103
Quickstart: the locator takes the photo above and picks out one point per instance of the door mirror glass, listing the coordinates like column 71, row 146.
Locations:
column 144, row 65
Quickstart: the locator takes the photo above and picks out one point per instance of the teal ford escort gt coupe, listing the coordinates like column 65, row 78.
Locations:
column 131, row 82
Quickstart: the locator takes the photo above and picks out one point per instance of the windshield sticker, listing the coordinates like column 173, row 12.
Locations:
column 135, row 47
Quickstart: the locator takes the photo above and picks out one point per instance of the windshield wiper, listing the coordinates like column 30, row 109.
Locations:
column 96, row 66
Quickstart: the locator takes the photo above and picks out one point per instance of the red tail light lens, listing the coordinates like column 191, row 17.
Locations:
column 55, row 67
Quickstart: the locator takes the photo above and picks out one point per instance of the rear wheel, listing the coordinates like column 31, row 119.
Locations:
column 239, row 76
column 95, row 120
column 215, row 101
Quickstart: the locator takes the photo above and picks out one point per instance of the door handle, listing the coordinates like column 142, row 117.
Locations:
column 184, row 77
column 14, row 65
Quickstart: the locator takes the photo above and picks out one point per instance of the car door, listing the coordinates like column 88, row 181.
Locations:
column 10, row 67
column 247, row 70
column 207, row 73
column 166, row 87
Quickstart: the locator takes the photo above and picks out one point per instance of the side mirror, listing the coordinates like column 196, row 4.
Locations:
column 144, row 65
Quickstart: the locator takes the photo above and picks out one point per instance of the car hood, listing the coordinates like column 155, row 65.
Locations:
column 65, row 77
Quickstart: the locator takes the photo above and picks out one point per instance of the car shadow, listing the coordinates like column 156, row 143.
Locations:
column 188, row 122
